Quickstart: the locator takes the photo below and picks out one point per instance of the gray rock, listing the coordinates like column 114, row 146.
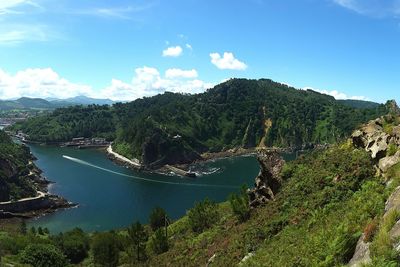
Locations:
column 362, row 254
column 387, row 162
column 268, row 181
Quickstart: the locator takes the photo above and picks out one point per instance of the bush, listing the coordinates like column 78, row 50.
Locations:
column 43, row 255
column 157, row 218
column 138, row 237
column 203, row 215
column 74, row 244
column 240, row 204
column 105, row 249
column 159, row 242
column 382, row 247
column 370, row 230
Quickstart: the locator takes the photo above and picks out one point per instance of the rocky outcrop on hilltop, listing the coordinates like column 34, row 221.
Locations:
column 268, row 180
column 381, row 138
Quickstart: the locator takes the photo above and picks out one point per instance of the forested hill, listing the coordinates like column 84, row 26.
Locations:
column 177, row 128
column 14, row 169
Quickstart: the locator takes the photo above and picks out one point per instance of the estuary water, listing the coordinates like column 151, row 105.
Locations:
column 111, row 196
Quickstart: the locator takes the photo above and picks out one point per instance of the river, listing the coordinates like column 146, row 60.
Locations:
column 111, row 196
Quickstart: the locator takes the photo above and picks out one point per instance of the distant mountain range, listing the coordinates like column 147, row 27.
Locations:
column 51, row 103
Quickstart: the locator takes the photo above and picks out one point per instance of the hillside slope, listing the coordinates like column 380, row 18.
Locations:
column 176, row 128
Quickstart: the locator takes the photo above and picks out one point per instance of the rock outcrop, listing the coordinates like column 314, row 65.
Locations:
column 268, row 180
column 381, row 138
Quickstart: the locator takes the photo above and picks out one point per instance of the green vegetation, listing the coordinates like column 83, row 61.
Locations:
column 14, row 170
column 43, row 255
column 138, row 237
column 66, row 123
column 157, row 218
column 176, row 128
column 240, row 204
column 203, row 215
column 105, row 249
column 328, row 199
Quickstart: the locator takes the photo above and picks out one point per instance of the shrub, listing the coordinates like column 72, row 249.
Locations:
column 159, row 242
column 43, row 255
column 105, row 249
column 138, row 236
column 74, row 244
column 370, row 230
column 240, row 204
column 382, row 247
column 157, row 218
column 203, row 215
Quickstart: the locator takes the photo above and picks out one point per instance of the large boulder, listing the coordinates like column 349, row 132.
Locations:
column 269, row 180
column 361, row 256
column 372, row 138
column 389, row 161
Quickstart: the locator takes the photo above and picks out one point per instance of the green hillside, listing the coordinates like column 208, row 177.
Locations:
column 14, row 169
column 178, row 128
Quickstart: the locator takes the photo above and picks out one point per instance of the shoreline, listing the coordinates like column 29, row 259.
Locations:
column 35, row 206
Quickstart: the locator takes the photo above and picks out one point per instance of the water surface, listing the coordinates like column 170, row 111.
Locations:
column 111, row 196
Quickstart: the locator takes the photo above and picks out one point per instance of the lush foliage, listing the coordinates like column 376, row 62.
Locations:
column 43, row 255
column 66, row 123
column 157, row 218
column 14, row 170
column 240, row 204
column 105, row 249
column 159, row 242
column 176, row 128
column 74, row 244
column 138, row 237
column 203, row 215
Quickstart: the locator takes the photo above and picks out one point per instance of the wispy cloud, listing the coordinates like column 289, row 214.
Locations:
column 14, row 6
column 114, row 12
column 15, row 34
column 375, row 8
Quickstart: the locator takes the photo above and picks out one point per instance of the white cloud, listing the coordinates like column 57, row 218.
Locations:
column 376, row 8
column 337, row 94
column 178, row 73
column 189, row 46
column 146, row 81
column 228, row 61
column 173, row 51
column 38, row 83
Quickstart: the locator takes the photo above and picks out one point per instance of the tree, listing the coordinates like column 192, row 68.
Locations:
column 203, row 215
column 157, row 218
column 159, row 242
column 43, row 255
column 23, row 228
column 105, row 249
column 138, row 237
column 33, row 230
column 74, row 244
column 40, row 230
column 240, row 204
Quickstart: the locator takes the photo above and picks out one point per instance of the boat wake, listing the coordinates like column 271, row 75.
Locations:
column 82, row 162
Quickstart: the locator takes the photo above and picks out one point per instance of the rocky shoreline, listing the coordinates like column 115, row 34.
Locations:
column 41, row 204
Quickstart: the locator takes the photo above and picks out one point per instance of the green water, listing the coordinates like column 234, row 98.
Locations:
column 111, row 196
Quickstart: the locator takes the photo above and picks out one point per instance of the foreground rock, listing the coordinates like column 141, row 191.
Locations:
column 268, row 180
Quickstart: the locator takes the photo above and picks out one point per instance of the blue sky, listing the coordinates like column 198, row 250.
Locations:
column 125, row 49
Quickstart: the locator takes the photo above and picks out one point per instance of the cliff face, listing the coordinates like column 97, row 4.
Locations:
column 268, row 180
